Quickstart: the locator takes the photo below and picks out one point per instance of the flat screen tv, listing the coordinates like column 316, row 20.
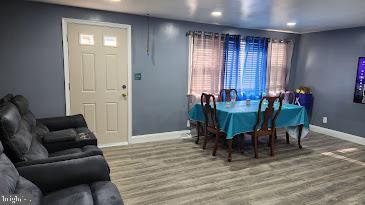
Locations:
column 359, row 96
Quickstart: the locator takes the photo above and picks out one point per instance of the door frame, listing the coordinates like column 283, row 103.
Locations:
column 65, row 22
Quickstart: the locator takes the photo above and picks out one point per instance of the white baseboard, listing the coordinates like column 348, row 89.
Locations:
column 338, row 134
column 113, row 144
column 151, row 138
column 160, row 136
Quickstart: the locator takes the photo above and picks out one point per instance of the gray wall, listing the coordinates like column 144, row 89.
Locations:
column 327, row 62
column 31, row 61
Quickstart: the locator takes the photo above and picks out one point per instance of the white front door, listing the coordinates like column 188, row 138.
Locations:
column 98, row 73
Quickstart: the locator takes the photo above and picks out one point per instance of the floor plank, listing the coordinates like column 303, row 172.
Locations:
column 326, row 171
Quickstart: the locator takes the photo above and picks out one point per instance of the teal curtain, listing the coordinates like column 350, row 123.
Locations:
column 245, row 66
column 254, row 67
column 233, row 70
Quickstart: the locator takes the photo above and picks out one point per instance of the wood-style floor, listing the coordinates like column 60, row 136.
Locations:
column 326, row 171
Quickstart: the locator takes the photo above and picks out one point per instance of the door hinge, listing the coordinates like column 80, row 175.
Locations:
column 69, row 86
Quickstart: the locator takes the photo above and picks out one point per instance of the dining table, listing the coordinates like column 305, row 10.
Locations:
column 240, row 117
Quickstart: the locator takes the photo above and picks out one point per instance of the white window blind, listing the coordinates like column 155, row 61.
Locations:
column 278, row 66
column 234, row 67
column 206, row 64
column 254, row 71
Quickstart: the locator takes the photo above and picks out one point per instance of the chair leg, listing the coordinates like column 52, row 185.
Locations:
column 287, row 137
column 272, row 141
column 205, row 138
column 276, row 135
column 242, row 144
column 198, row 131
column 216, row 144
column 254, row 143
column 230, row 150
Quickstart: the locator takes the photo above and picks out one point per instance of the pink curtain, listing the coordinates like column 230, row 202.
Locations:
column 206, row 63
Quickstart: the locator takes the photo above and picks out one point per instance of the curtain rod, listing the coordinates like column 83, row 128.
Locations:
column 204, row 33
column 224, row 34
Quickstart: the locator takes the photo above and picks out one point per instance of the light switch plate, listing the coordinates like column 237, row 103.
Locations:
column 138, row 76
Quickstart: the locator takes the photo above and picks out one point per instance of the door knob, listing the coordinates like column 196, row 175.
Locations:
column 124, row 95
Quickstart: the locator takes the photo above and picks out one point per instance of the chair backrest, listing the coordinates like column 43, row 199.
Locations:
column 226, row 94
column 13, row 183
column 210, row 113
column 268, row 115
column 288, row 97
column 22, row 105
column 6, row 98
column 17, row 137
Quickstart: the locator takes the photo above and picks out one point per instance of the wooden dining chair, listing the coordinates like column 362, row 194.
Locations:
column 288, row 97
column 192, row 99
column 269, row 118
column 227, row 93
column 210, row 124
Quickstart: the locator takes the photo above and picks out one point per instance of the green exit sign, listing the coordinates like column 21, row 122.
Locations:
column 137, row 76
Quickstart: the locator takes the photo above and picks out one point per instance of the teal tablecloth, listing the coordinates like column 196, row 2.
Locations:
column 241, row 118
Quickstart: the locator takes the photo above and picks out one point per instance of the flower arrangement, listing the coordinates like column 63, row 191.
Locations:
column 303, row 90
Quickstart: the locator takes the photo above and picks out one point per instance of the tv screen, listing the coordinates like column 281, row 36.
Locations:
column 359, row 96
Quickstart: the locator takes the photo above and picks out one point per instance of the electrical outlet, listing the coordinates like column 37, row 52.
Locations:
column 324, row 120
column 188, row 123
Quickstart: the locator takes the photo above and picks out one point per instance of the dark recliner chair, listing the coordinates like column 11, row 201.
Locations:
column 87, row 186
column 57, row 133
column 23, row 143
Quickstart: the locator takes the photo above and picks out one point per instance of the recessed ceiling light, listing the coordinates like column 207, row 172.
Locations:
column 115, row 0
column 291, row 24
column 216, row 13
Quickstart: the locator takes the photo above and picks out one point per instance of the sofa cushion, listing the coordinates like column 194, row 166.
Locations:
column 105, row 192
column 9, row 176
column 66, row 152
column 23, row 107
column 21, row 103
column 98, row 193
column 30, row 119
column 6, row 98
column 41, row 130
column 76, row 195
column 10, row 119
column 36, row 151
column 60, row 136
column 25, row 187
column 14, row 132
column 89, row 150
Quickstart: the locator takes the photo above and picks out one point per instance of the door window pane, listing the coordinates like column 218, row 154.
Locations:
column 110, row 41
column 86, row 39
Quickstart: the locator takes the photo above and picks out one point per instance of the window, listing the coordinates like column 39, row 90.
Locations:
column 278, row 66
column 252, row 65
column 86, row 39
column 206, row 58
column 233, row 62
column 245, row 66
column 110, row 41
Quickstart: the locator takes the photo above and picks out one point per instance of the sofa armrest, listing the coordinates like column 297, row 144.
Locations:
column 60, row 136
column 61, row 123
column 58, row 175
column 88, row 151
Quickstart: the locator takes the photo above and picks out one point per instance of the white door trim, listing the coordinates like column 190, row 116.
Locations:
column 66, row 21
